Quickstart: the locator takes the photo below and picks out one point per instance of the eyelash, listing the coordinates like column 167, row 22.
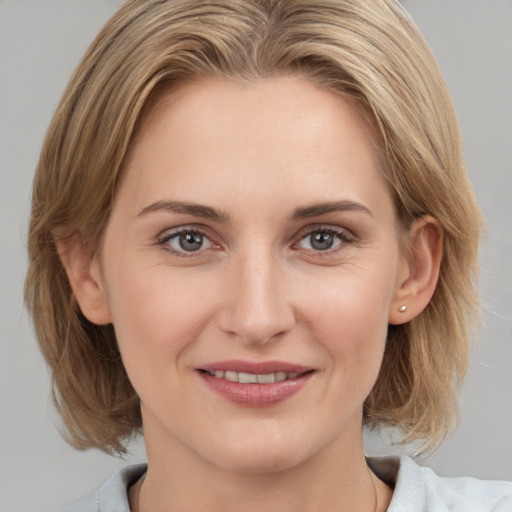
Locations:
column 343, row 236
column 163, row 242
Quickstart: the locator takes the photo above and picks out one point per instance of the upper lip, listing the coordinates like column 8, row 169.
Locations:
column 255, row 367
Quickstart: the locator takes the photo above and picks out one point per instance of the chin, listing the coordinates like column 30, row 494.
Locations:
column 262, row 454
column 262, row 462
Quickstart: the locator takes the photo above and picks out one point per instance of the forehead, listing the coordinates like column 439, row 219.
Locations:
column 202, row 105
column 280, row 130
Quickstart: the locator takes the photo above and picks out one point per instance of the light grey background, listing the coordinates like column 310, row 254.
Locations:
column 41, row 42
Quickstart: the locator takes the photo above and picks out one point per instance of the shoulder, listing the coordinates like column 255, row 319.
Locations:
column 419, row 489
column 113, row 495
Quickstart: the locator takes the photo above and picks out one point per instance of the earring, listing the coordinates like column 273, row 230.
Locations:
column 402, row 309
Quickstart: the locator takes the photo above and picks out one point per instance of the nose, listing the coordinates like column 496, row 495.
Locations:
column 257, row 308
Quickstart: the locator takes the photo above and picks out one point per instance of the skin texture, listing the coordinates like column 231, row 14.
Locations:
column 256, row 290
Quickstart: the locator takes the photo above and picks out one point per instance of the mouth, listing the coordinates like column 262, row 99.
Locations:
column 253, row 378
column 255, row 384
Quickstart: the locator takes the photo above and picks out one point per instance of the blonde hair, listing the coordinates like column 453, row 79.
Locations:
column 366, row 50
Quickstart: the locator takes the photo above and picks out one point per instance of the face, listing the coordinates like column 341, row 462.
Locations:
column 250, row 266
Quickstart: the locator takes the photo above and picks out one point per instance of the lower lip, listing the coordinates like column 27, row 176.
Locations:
column 257, row 395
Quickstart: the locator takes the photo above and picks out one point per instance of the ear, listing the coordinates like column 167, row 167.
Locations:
column 84, row 276
column 417, row 284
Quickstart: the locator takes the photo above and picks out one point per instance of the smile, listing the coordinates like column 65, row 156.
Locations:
column 253, row 378
column 255, row 384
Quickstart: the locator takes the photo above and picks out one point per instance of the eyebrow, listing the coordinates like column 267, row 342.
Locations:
column 329, row 207
column 196, row 210
column 207, row 212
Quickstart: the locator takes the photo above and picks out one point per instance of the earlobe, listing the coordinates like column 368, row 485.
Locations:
column 414, row 292
column 85, row 279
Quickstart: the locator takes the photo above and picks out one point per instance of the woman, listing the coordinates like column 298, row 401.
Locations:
column 251, row 234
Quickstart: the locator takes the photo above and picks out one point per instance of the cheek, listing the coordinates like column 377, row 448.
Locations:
column 158, row 318
column 349, row 318
column 156, row 313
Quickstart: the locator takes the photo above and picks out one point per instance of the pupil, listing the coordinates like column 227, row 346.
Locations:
column 322, row 241
column 191, row 241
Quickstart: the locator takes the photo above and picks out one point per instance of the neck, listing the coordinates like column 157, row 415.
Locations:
column 334, row 480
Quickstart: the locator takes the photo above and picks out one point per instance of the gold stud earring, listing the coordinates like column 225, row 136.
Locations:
column 402, row 309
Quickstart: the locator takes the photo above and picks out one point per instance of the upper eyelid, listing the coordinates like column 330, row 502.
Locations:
column 193, row 228
column 306, row 230
column 205, row 230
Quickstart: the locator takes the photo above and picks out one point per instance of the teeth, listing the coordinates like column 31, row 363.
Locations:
column 268, row 378
column 280, row 376
column 247, row 378
column 252, row 378
column 231, row 376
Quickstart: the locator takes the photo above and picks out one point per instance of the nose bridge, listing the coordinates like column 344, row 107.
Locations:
column 258, row 309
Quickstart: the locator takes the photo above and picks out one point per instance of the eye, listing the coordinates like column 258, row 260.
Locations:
column 186, row 241
column 323, row 239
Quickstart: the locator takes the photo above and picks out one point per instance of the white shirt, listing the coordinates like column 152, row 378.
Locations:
column 416, row 489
